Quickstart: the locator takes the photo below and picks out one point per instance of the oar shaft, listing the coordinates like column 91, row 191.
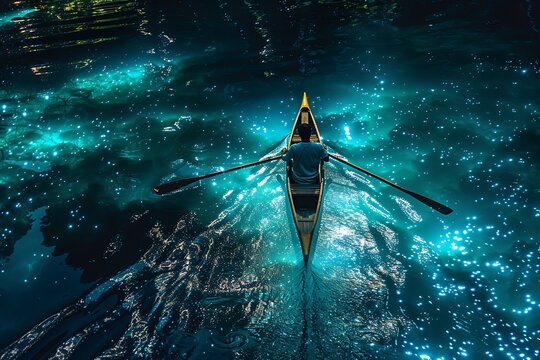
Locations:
column 247, row 165
column 429, row 202
column 367, row 172
column 177, row 184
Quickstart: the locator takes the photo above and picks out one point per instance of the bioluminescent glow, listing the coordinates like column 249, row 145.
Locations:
column 13, row 15
column 101, row 101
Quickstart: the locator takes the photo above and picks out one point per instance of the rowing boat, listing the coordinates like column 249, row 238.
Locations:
column 305, row 199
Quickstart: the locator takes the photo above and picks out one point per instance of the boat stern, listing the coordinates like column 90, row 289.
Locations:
column 305, row 241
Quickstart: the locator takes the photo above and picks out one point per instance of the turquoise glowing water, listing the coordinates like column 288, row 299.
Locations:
column 101, row 101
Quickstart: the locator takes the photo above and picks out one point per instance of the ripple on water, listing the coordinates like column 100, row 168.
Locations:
column 199, row 148
column 241, row 282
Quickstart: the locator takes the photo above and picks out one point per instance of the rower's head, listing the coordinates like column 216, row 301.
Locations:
column 304, row 130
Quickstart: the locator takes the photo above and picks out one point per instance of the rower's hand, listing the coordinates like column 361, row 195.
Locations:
column 284, row 150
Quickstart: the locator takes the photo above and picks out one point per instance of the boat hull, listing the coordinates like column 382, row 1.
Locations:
column 305, row 199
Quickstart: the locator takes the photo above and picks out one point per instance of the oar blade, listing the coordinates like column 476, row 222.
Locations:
column 173, row 185
column 445, row 210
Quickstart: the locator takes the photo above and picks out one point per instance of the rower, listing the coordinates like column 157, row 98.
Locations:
column 306, row 157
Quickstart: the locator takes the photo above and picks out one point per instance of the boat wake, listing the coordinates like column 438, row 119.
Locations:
column 240, row 289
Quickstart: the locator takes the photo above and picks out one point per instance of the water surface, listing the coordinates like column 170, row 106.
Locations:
column 100, row 101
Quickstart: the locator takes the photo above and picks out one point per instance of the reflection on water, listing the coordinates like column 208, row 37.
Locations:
column 77, row 23
column 43, row 35
column 102, row 100
column 177, row 300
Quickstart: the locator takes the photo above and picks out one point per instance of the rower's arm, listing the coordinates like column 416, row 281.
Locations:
column 324, row 156
column 286, row 154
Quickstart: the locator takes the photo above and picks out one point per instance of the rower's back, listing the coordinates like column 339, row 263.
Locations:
column 306, row 156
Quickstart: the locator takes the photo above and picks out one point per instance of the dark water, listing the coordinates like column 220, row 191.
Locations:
column 101, row 100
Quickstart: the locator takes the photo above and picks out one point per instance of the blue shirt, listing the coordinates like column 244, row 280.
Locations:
column 306, row 159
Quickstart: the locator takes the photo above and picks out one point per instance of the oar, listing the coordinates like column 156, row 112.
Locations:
column 429, row 202
column 175, row 185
